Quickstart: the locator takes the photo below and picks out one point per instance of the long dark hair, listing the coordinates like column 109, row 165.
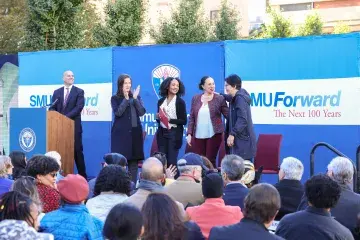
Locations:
column 19, row 163
column 162, row 218
column 120, row 85
column 17, row 206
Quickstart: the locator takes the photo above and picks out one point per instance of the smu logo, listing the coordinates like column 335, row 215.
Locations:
column 160, row 73
column 27, row 139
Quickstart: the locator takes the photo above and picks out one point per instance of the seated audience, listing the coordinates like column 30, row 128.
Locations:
column 17, row 230
column 249, row 176
column 124, row 221
column 112, row 187
column 341, row 170
column 111, row 159
column 260, row 208
column 55, row 155
column 163, row 220
column 290, row 188
column 17, row 206
column 207, row 163
column 315, row 222
column 232, row 170
column 213, row 211
column 18, row 160
column 5, row 182
column 44, row 170
column 187, row 187
column 72, row 220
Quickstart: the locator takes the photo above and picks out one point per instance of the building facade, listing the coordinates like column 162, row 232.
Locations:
column 331, row 11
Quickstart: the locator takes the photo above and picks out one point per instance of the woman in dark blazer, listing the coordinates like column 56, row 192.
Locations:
column 205, row 124
column 126, row 132
column 169, row 138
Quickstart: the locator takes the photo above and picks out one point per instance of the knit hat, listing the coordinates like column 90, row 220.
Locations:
column 249, row 175
column 192, row 159
column 73, row 188
column 212, row 185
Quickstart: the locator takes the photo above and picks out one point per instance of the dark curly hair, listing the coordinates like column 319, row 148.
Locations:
column 17, row 206
column 120, row 84
column 162, row 218
column 41, row 165
column 113, row 178
column 164, row 87
column 322, row 191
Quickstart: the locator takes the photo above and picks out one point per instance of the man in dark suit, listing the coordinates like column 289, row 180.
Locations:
column 69, row 101
column 232, row 170
column 260, row 208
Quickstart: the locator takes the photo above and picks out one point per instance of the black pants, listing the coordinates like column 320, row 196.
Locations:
column 79, row 155
column 133, row 169
column 166, row 140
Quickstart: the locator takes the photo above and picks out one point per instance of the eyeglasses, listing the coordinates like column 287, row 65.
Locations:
column 53, row 174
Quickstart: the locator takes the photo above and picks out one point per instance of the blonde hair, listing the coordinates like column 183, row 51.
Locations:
column 5, row 164
column 55, row 155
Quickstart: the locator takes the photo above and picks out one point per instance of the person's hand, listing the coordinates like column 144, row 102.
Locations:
column 188, row 139
column 230, row 141
column 171, row 172
column 136, row 92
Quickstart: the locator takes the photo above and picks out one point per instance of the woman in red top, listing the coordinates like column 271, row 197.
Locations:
column 44, row 170
column 206, row 127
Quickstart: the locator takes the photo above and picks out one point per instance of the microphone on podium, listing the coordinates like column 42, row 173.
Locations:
column 51, row 105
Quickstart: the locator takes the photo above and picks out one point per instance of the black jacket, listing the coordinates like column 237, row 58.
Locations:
column 234, row 194
column 180, row 121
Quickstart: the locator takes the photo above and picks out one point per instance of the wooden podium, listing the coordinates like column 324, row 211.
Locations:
column 60, row 138
column 37, row 131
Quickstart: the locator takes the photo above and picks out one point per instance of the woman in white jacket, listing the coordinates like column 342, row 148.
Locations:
column 113, row 186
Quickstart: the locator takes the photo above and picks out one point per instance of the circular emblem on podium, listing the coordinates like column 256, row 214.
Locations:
column 27, row 139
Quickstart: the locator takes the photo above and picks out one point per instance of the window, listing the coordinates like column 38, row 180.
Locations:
column 214, row 15
column 296, row 7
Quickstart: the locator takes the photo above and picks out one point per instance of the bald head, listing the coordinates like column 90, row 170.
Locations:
column 68, row 78
column 152, row 170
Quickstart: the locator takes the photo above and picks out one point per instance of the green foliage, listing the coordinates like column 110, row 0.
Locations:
column 341, row 27
column 124, row 24
column 52, row 24
column 186, row 25
column 226, row 28
column 313, row 25
column 280, row 27
column 12, row 19
column 88, row 20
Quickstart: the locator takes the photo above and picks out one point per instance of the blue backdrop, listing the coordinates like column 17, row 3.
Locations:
column 323, row 57
column 192, row 60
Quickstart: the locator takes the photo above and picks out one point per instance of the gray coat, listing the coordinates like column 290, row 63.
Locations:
column 240, row 125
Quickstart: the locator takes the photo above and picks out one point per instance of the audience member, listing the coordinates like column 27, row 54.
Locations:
column 17, row 206
column 213, row 211
column 72, row 220
column 170, row 172
column 44, row 170
column 111, row 159
column 163, row 220
column 124, row 221
column 207, row 163
column 249, row 176
column 17, row 230
column 151, row 177
column 315, row 222
column 26, row 185
column 341, row 170
column 5, row 182
column 187, row 188
column 232, row 170
column 55, row 155
column 290, row 188
column 112, row 187
column 18, row 160
column 260, row 208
